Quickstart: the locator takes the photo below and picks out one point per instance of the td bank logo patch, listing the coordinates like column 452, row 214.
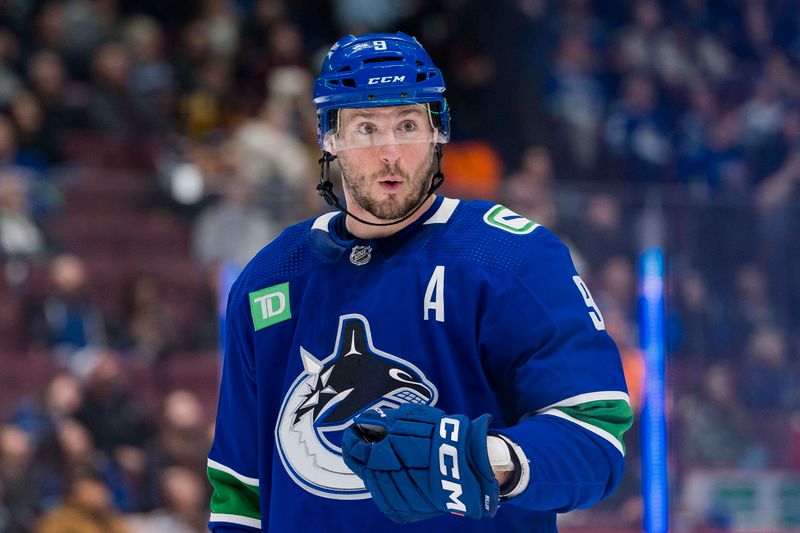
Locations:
column 270, row 306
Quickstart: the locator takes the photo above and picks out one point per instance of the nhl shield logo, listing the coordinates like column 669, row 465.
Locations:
column 360, row 255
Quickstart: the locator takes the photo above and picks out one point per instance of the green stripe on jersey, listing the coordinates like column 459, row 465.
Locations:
column 232, row 497
column 612, row 416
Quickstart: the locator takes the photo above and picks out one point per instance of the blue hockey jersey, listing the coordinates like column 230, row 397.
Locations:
column 471, row 308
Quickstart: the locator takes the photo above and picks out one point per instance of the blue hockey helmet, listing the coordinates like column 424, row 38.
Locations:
column 379, row 70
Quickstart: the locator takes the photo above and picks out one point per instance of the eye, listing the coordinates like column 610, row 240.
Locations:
column 366, row 128
column 408, row 126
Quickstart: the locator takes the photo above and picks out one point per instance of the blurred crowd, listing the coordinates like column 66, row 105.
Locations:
column 146, row 146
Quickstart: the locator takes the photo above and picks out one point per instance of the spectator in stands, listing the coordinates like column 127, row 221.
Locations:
column 34, row 140
column 762, row 114
column 41, row 415
column 617, row 284
column 65, row 318
column 530, row 190
column 193, row 48
column 184, row 509
column 21, row 236
column 777, row 165
column 219, row 19
column 289, row 87
column 271, row 42
column 112, row 108
column 152, row 78
column 135, row 471
column 88, row 508
column 193, row 172
column 716, row 430
column 11, row 155
column 779, row 168
column 10, row 81
column 695, row 320
column 109, row 410
column 183, row 438
column 265, row 15
column 121, row 431
column 724, row 157
column 758, row 30
column 576, row 99
column 281, row 53
column 208, row 106
column 637, row 44
column 19, row 478
column 145, row 325
column 86, row 26
column 58, row 96
column 636, row 132
column 694, row 131
column 285, row 45
column 67, row 449
column 234, row 229
column 48, row 27
column 273, row 160
column 604, row 231
column 751, row 306
column 767, row 381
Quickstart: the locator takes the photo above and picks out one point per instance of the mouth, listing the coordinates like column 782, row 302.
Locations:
column 390, row 183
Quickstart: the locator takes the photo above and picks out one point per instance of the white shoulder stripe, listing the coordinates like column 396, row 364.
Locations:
column 589, row 397
column 445, row 211
column 235, row 519
column 594, row 429
column 322, row 221
column 222, row 468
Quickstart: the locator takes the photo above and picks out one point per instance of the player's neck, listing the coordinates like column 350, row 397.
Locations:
column 365, row 231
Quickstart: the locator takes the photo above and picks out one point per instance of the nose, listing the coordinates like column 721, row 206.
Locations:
column 389, row 153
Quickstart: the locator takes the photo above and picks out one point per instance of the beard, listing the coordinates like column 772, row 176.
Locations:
column 395, row 206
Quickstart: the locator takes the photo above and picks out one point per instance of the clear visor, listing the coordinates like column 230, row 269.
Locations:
column 381, row 126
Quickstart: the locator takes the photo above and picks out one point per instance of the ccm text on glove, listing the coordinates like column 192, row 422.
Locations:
column 418, row 462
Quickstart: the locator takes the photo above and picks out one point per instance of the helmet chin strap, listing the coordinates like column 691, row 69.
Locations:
column 325, row 187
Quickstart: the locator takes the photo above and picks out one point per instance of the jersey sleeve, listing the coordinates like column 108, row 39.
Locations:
column 233, row 459
column 560, row 376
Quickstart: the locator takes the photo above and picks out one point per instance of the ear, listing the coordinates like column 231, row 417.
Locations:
column 330, row 145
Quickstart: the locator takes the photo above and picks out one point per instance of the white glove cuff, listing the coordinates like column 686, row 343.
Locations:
column 500, row 449
column 499, row 454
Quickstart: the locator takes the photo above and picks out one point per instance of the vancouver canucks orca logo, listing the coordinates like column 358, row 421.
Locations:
column 324, row 399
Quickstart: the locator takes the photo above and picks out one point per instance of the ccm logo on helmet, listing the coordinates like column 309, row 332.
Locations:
column 386, row 79
column 449, row 454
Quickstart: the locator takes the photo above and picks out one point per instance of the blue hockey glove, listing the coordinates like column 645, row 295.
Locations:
column 418, row 462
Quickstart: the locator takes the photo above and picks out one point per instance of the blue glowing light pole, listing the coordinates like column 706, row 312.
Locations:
column 655, row 488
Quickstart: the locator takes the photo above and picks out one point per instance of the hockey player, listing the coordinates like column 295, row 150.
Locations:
column 412, row 362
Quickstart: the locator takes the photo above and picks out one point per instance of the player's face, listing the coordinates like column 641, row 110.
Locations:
column 388, row 158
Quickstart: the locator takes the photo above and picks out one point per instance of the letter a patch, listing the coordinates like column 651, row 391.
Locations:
column 270, row 306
